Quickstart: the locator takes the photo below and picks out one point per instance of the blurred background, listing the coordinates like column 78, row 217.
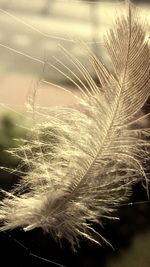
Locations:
column 32, row 34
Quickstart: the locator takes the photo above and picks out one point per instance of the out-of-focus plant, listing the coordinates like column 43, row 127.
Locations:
column 137, row 255
column 10, row 131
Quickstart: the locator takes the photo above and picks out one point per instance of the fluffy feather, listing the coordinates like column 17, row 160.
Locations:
column 82, row 162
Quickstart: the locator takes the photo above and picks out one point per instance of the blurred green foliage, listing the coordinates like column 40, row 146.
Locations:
column 137, row 255
column 10, row 131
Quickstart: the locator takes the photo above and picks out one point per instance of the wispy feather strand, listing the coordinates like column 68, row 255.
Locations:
column 82, row 162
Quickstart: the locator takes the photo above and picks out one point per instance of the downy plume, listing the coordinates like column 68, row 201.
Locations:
column 83, row 161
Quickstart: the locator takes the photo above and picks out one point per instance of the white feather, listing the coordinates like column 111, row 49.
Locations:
column 82, row 162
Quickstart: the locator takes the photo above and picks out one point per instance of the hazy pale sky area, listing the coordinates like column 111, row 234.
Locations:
column 31, row 36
